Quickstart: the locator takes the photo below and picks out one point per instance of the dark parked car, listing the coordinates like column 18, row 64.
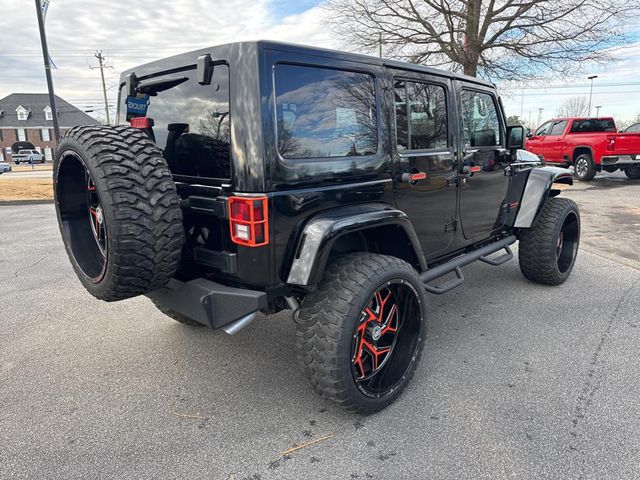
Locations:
column 261, row 176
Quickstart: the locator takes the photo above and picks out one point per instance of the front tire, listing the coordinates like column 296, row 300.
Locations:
column 583, row 168
column 632, row 173
column 548, row 250
column 360, row 334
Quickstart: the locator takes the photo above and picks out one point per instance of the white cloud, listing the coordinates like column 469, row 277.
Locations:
column 132, row 33
column 130, row 36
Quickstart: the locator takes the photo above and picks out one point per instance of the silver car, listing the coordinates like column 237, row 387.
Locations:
column 4, row 167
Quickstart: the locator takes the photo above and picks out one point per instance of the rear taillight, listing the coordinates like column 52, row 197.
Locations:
column 249, row 221
column 611, row 142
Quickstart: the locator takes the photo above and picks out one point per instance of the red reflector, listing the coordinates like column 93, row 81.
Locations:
column 475, row 169
column 249, row 221
column 418, row 176
column 141, row 122
column 240, row 211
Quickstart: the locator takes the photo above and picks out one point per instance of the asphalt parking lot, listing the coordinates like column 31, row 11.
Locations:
column 517, row 381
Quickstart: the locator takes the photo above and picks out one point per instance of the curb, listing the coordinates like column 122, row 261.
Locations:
column 39, row 201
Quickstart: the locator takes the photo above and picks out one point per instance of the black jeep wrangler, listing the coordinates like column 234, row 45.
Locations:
column 256, row 177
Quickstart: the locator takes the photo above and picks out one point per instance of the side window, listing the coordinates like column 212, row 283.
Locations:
column 421, row 116
column 558, row 128
column 543, row 129
column 481, row 127
column 324, row 113
column 593, row 125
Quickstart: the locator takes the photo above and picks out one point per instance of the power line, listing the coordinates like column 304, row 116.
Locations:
column 544, row 94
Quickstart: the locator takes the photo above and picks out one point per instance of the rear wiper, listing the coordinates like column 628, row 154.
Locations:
column 152, row 87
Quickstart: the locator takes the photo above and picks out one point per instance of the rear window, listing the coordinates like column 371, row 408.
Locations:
column 324, row 113
column 593, row 125
column 191, row 123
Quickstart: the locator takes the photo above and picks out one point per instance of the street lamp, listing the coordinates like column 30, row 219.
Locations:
column 592, row 77
column 598, row 107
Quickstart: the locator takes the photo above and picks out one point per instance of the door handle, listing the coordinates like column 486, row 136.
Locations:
column 413, row 178
column 470, row 170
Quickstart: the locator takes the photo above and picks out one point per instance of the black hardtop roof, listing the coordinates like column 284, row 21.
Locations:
column 189, row 58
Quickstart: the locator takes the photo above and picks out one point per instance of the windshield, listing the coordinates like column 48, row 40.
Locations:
column 191, row 122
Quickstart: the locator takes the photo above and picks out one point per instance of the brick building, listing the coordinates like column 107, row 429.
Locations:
column 28, row 117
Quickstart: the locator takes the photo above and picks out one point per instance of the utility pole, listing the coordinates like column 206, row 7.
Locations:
column 47, row 71
column 380, row 44
column 101, row 60
column 540, row 115
column 598, row 107
column 592, row 77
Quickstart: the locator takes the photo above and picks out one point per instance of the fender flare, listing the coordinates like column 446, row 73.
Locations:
column 320, row 233
column 536, row 192
column 587, row 147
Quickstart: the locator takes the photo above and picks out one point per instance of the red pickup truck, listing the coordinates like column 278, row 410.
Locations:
column 589, row 144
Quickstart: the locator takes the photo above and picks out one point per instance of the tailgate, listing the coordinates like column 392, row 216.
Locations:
column 624, row 143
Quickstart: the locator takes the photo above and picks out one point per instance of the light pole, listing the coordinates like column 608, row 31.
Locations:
column 540, row 115
column 598, row 107
column 592, row 77
column 47, row 70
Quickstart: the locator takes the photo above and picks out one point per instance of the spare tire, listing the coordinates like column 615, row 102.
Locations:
column 118, row 211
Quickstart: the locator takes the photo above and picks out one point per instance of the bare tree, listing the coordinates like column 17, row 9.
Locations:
column 574, row 107
column 501, row 39
column 622, row 124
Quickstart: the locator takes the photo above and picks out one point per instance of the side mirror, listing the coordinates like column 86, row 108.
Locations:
column 515, row 137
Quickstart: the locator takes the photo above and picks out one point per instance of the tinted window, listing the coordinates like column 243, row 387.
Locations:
column 593, row 125
column 191, row 123
column 544, row 129
column 480, row 120
column 421, row 116
column 324, row 113
column 558, row 128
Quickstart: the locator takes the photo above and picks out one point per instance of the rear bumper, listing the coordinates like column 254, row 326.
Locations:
column 620, row 161
column 209, row 303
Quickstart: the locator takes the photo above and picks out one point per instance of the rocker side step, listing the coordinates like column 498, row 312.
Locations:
column 455, row 264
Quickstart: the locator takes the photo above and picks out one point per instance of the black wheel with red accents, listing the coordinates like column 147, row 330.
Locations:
column 360, row 334
column 118, row 211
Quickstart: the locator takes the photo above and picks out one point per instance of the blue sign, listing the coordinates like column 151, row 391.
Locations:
column 137, row 106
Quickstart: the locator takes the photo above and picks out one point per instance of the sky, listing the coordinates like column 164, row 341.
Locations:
column 129, row 36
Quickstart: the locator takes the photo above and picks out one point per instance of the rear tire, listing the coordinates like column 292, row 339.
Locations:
column 548, row 250
column 632, row 172
column 118, row 211
column 583, row 167
column 360, row 334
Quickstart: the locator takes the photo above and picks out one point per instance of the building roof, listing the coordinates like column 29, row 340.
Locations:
column 68, row 115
